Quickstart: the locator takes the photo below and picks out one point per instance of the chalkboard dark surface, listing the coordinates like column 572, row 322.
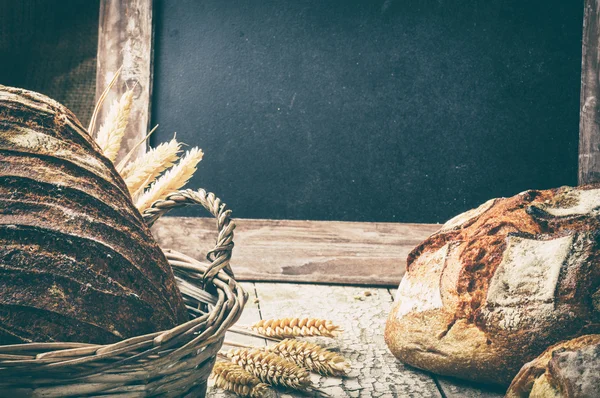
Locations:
column 50, row 46
column 370, row 110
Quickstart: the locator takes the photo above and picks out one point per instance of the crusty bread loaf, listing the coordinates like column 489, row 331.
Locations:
column 77, row 261
column 498, row 284
column 570, row 369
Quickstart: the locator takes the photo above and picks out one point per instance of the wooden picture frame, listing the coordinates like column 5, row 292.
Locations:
column 304, row 251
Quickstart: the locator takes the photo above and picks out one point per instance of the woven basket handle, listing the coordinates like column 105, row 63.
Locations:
column 220, row 255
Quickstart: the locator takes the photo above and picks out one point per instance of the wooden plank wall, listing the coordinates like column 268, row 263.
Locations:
column 589, row 127
column 303, row 251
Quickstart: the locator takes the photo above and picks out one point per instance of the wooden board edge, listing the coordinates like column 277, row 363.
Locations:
column 589, row 116
column 292, row 251
column 334, row 281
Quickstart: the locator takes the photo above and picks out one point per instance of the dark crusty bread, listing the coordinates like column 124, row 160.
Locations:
column 569, row 369
column 77, row 261
column 498, row 284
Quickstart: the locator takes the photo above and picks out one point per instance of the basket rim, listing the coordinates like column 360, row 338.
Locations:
column 153, row 360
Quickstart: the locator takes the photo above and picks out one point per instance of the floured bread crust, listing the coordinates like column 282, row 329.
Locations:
column 570, row 369
column 498, row 284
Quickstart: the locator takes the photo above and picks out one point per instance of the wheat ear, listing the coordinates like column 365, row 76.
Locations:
column 232, row 377
column 271, row 368
column 111, row 132
column 126, row 158
column 171, row 180
column 312, row 357
column 296, row 327
column 144, row 170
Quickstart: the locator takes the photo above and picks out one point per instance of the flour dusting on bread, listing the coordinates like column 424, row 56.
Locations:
column 418, row 294
column 529, row 271
column 573, row 203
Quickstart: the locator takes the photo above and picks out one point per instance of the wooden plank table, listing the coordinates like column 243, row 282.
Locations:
column 375, row 372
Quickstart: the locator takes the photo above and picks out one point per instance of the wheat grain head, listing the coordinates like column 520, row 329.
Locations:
column 232, row 377
column 171, row 180
column 271, row 368
column 296, row 327
column 145, row 169
column 312, row 357
column 112, row 131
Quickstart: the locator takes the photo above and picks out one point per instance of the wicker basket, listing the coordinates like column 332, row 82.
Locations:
column 172, row 363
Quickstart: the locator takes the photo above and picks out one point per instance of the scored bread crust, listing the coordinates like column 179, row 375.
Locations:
column 498, row 284
column 77, row 261
column 567, row 369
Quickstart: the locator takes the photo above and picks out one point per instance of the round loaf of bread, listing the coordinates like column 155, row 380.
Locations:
column 495, row 286
column 570, row 369
column 77, row 261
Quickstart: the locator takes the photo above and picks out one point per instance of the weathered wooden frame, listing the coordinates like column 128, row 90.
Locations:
column 125, row 40
column 589, row 117
column 307, row 251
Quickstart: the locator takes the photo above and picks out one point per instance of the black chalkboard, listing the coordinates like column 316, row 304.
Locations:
column 50, row 46
column 370, row 110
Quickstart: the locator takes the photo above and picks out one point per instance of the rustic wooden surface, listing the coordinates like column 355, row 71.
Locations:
column 589, row 127
column 375, row 372
column 453, row 388
column 125, row 39
column 304, row 251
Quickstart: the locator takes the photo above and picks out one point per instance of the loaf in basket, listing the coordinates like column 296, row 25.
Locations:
column 89, row 304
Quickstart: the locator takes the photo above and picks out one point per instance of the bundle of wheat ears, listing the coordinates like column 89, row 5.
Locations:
column 286, row 364
column 151, row 177
column 232, row 377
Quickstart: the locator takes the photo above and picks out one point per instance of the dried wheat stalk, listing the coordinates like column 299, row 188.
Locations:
column 296, row 327
column 246, row 331
column 111, row 132
column 232, row 377
column 101, row 100
column 312, row 357
column 145, row 169
column 172, row 180
column 271, row 368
